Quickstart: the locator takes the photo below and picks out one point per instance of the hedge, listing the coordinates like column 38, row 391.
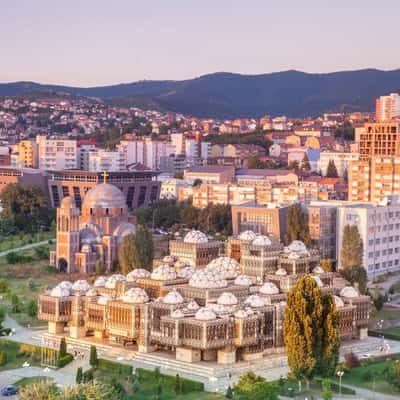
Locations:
column 188, row 385
column 63, row 361
column 111, row 365
column 335, row 387
column 392, row 336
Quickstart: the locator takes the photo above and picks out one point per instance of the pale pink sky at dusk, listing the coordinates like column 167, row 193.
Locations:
column 99, row 42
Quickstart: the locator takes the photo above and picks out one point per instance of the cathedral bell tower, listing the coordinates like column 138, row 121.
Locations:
column 67, row 235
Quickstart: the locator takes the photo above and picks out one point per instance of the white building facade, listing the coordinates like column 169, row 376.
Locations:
column 341, row 160
column 57, row 154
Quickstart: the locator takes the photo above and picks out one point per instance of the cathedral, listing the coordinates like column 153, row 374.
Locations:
column 93, row 233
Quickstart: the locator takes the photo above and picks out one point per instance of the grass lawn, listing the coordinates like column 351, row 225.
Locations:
column 371, row 376
column 387, row 313
column 35, row 379
column 15, row 241
column 148, row 385
column 15, row 359
column 394, row 330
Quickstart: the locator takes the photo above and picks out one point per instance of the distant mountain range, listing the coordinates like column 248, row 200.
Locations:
column 229, row 95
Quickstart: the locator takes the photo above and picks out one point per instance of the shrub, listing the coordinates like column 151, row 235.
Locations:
column 63, row 361
column 367, row 376
column 63, row 348
column 79, row 375
column 3, row 358
column 31, row 308
column 351, row 360
column 88, row 376
column 112, row 366
column 12, row 257
column 3, row 285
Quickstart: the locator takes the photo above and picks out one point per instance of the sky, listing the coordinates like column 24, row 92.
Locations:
column 101, row 42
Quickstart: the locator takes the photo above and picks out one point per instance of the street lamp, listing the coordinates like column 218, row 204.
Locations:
column 340, row 374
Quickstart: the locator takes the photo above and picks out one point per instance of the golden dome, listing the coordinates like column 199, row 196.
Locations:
column 104, row 195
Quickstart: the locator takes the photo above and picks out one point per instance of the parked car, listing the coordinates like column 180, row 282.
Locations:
column 9, row 390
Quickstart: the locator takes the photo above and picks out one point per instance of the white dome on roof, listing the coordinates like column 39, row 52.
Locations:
column 318, row 281
column 296, row 247
column 173, row 297
column 338, row 302
column 243, row 280
column 100, row 281
column 269, row 288
column 138, row 273
column 247, row 235
column 349, row 292
column 186, row 272
column 205, row 314
column 255, row 301
column 65, row 285
column 240, row 314
column 58, row 291
column 180, row 264
column 91, row 293
column 169, row 260
column 177, row 314
column 113, row 279
column 207, row 279
column 262, row 240
column 135, row 296
column 227, row 299
column 294, row 256
column 318, row 270
column 193, row 306
column 103, row 300
column 281, row 272
column 163, row 273
column 226, row 265
column 80, row 286
column 218, row 308
column 195, row 237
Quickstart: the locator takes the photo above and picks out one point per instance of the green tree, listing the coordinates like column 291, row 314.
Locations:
column 32, row 308
column 229, row 393
column 177, row 384
column 99, row 267
column 305, row 164
column 326, row 265
column 393, row 375
column 3, row 358
column 351, row 255
column 79, row 375
column 39, row 391
column 93, row 360
column 143, row 248
column 310, row 330
column 3, row 285
column 297, row 225
column 253, row 387
column 197, row 182
column 62, row 351
column 326, row 390
column 126, row 254
column 15, row 304
column 379, row 301
column 331, row 170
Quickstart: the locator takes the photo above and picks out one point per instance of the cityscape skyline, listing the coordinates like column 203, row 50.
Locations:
column 96, row 45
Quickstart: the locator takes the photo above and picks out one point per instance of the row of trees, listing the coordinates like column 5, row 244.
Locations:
column 171, row 214
column 25, row 209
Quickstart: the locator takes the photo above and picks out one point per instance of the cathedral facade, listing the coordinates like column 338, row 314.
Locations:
column 95, row 233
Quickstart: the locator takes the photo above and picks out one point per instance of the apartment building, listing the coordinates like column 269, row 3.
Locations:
column 341, row 160
column 262, row 219
column 57, row 154
column 210, row 174
column 105, row 160
column 27, row 154
column 379, row 228
column 387, row 107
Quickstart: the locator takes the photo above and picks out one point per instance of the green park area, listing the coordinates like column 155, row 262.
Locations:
column 14, row 355
column 10, row 242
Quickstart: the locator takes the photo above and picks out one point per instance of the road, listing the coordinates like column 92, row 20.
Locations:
column 26, row 247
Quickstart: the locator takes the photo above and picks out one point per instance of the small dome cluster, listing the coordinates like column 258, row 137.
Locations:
column 269, row 288
column 243, row 280
column 255, row 301
column 169, row 260
column 318, row 270
column 113, row 279
column 173, row 297
column 100, row 281
column 80, row 286
column 247, row 236
column 205, row 314
column 138, row 273
column 58, row 291
column 192, row 306
column 281, row 272
column 177, row 314
column 227, row 299
column 349, row 292
column 186, row 272
column 207, row 279
column 195, row 237
column 262, row 240
column 338, row 302
column 164, row 273
column 296, row 249
column 103, row 300
column 135, row 296
column 226, row 266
